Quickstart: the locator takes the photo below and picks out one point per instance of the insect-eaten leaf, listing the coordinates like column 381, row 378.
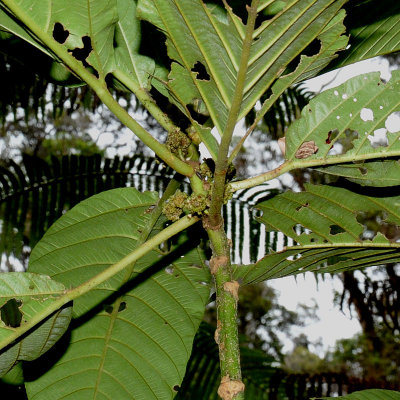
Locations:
column 22, row 296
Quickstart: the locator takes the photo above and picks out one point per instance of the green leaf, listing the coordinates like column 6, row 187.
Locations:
column 331, row 41
column 134, row 333
column 336, row 229
column 371, row 394
column 22, row 296
column 127, row 40
column 295, row 261
column 206, row 50
column 86, row 29
column 373, row 27
column 325, row 216
column 8, row 24
column 348, row 123
column 370, row 173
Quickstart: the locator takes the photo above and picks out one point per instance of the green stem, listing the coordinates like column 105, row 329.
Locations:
column 103, row 276
column 146, row 100
column 100, row 88
column 221, row 164
column 226, row 334
column 259, row 179
column 231, row 386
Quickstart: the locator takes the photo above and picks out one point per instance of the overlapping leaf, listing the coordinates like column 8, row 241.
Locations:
column 136, row 67
column 206, row 49
column 137, row 338
column 351, row 122
column 22, row 296
column 373, row 27
column 373, row 173
column 336, row 230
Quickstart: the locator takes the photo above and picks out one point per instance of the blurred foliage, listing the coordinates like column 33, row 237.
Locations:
column 354, row 358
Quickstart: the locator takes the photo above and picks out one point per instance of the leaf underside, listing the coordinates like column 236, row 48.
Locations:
column 205, row 47
column 22, row 296
column 369, row 173
column 129, row 342
column 336, row 230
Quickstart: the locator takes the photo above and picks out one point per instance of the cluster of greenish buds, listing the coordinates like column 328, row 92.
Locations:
column 178, row 143
column 181, row 203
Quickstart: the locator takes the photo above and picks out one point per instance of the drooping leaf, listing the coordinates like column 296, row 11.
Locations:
column 22, row 296
column 372, row 173
column 295, row 261
column 371, row 394
column 373, row 27
column 144, row 317
column 206, row 50
column 336, row 230
column 351, row 122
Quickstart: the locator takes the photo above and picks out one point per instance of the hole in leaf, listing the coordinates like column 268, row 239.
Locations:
column 201, row 71
column 379, row 138
column 363, row 170
column 298, row 229
column 11, row 314
column 169, row 270
column 302, row 206
column 311, row 50
column 328, row 139
column 176, row 388
column 336, row 229
column 375, row 222
column 81, row 54
column 392, row 123
column 60, row 34
column 366, row 114
column 108, row 309
column 342, row 142
column 122, row 306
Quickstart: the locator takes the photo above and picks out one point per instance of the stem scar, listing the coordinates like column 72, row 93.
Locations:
column 228, row 388
column 233, row 288
column 217, row 262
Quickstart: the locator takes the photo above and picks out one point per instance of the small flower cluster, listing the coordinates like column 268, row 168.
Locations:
column 180, row 203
